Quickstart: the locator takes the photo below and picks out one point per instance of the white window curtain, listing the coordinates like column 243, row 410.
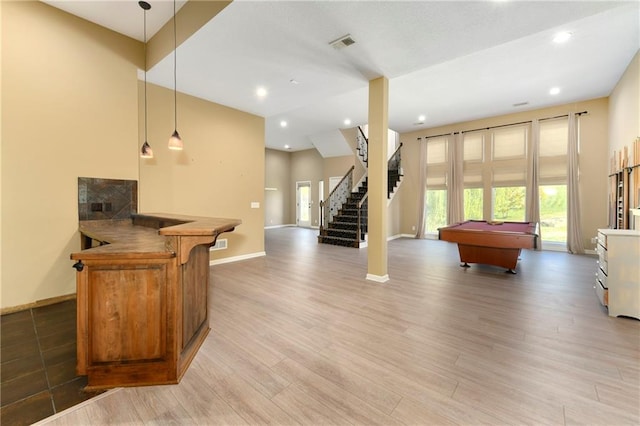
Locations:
column 533, row 176
column 455, row 192
column 422, row 189
column 575, row 244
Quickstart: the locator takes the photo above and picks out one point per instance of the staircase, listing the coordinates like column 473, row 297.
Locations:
column 349, row 226
column 343, row 217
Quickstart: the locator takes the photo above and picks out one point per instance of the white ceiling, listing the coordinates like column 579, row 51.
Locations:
column 451, row 61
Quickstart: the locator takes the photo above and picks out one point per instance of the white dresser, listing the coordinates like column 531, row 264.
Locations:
column 618, row 274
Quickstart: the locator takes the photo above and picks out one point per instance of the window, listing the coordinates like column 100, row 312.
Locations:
column 553, row 213
column 436, row 195
column 553, row 180
column 553, row 151
column 473, row 203
column 436, row 204
column 473, row 147
column 509, row 142
column 509, row 203
column 495, row 176
column 437, row 151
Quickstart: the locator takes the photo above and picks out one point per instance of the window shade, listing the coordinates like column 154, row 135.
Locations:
column 436, row 151
column 473, row 146
column 510, row 142
column 553, row 137
column 473, row 178
column 436, row 181
column 509, row 177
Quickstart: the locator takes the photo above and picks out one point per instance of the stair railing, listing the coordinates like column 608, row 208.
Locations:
column 362, row 224
column 335, row 200
column 362, row 145
column 395, row 161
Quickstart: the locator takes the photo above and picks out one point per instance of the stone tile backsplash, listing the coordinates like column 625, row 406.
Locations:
column 106, row 198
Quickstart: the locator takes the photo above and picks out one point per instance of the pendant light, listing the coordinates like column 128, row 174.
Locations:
column 145, row 151
column 175, row 142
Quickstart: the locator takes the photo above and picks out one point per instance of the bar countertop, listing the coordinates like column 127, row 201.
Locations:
column 145, row 235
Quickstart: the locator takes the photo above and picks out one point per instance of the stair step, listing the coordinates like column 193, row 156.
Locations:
column 337, row 241
column 341, row 233
column 342, row 225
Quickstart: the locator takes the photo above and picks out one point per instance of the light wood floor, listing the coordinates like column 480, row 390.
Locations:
column 300, row 337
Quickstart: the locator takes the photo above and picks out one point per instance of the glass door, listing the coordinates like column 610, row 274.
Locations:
column 303, row 203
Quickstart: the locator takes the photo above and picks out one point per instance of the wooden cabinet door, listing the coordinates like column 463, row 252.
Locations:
column 127, row 313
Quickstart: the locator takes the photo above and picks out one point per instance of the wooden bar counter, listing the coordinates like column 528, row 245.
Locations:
column 142, row 287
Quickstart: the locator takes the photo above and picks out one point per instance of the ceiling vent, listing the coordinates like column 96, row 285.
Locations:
column 342, row 42
column 519, row 104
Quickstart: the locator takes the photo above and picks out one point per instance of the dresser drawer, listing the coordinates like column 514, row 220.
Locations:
column 601, row 274
column 602, row 239
column 602, row 293
column 602, row 267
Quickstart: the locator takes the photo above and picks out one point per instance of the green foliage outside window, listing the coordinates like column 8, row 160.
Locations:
column 509, row 203
column 436, row 204
column 553, row 212
column 473, row 204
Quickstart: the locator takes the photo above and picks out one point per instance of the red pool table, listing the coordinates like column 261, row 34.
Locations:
column 491, row 243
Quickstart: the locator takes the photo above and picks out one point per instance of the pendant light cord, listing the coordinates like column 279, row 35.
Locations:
column 145, row 76
column 175, row 84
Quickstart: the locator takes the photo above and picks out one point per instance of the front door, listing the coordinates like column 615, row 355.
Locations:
column 303, row 204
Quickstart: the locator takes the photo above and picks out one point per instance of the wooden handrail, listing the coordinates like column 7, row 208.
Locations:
column 361, row 202
column 339, row 183
column 323, row 203
column 396, row 151
column 362, row 133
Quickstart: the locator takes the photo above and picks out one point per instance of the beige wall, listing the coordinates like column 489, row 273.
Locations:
column 284, row 169
column 350, row 137
column 337, row 166
column 624, row 109
column 594, row 130
column 69, row 109
column 624, row 119
column 277, row 199
column 219, row 173
column 307, row 165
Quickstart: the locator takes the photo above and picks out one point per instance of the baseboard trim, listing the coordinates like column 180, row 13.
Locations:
column 407, row 236
column 279, row 226
column 378, row 278
column 37, row 304
column 236, row 258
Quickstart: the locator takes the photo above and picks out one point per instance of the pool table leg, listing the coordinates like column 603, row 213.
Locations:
column 465, row 265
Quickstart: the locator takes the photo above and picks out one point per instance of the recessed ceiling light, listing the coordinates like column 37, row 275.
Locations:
column 347, row 122
column 554, row 91
column 283, row 123
column 261, row 92
column 562, row 37
column 287, row 147
column 422, row 117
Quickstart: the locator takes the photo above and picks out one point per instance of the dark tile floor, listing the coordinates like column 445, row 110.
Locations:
column 37, row 364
